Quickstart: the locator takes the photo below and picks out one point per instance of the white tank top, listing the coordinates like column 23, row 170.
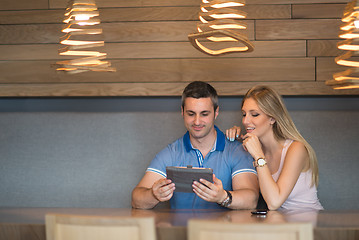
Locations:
column 303, row 195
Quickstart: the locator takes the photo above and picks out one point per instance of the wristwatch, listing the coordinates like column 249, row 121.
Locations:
column 227, row 201
column 260, row 162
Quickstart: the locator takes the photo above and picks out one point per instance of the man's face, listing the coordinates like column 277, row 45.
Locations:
column 198, row 115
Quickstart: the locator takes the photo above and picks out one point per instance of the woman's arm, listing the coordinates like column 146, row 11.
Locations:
column 276, row 193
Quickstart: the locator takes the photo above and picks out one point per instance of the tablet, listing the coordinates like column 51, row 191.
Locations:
column 183, row 177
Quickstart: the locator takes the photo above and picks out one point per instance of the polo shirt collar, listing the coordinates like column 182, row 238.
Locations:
column 219, row 145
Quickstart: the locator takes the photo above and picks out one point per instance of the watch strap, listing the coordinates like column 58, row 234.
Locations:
column 227, row 201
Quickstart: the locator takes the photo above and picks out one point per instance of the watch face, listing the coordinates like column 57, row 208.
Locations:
column 261, row 162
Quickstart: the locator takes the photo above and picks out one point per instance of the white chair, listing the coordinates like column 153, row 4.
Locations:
column 199, row 229
column 75, row 227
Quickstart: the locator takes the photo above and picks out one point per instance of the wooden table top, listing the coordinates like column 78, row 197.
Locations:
column 326, row 218
column 328, row 224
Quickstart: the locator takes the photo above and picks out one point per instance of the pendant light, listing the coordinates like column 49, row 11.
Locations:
column 220, row 30
column 82, row 39
column 349, row 78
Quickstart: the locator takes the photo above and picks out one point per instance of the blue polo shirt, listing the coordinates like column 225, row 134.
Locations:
column 227, row 159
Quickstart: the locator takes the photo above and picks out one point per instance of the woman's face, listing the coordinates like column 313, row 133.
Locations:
column 255, row 120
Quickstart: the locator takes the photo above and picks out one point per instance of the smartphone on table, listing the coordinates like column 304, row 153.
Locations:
column 260, row 212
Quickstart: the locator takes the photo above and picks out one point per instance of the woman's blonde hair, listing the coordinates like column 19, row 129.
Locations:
column 271, row 103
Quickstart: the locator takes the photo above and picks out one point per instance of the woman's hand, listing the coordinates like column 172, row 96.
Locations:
column 252, row 145
column 233, row 133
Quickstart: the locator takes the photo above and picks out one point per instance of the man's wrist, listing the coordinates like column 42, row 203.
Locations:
column 227, row 201
column 225, row 195
column 154, row 195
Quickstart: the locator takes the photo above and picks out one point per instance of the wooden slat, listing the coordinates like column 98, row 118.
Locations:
column 31, row 16
column 326, row 67
column 29, row 52
column 148, row 31
column 31, row 33
column 113, row 15
column 159, row 89
column 140, row 14
column 148, row 3
column 187, row 13
column 267, row 49
column 153, row 50
column 323, row 48
column 132, row 3
column 285, row 89
column 113, row 32
column 263, row 11
column 149, row 14
column 23, row 4
column 169, row 70
column 318, row 10
column 156, row 31
column 297, row 29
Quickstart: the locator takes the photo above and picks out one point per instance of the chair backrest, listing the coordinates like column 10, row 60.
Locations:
column 75, row 227
column 215, row 230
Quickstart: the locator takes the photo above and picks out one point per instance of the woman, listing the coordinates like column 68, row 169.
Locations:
column 286, row 164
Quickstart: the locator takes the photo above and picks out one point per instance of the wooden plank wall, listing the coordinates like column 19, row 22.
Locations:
column 146, row 40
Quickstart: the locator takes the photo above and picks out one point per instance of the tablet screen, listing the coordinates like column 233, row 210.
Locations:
column 183, row 177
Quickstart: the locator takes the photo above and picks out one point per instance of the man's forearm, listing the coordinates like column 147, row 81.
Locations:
column 244, row 199
column 143, row 198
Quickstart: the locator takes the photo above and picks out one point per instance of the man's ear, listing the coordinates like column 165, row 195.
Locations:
column 216, row 113
column 182, row 111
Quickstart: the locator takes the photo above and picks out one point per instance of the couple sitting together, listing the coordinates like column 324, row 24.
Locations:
column 270, row 160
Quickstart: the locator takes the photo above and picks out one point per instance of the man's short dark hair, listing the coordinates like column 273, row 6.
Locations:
column 199, row 89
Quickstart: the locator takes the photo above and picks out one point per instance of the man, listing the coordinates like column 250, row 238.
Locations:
column 235, row 183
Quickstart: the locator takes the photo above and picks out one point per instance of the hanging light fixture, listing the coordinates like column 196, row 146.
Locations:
column 80, row 35
column 349, row 78
column 220, row 22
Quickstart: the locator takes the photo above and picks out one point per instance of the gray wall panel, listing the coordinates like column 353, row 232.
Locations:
column 95, row 158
